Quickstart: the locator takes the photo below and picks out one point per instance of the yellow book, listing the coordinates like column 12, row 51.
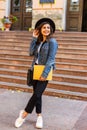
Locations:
column 38, row 70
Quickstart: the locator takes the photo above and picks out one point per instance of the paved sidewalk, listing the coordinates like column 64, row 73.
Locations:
column 59, row 113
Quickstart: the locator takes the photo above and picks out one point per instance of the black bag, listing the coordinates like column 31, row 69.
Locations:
column 30, row 77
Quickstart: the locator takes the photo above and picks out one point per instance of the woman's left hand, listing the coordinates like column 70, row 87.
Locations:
column 35, row 33
column 42, row 79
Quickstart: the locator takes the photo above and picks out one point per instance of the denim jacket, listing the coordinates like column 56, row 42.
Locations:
column 46, row 55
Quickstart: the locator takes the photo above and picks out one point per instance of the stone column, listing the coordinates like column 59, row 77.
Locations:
column 8, row 2
column 64, row 15
column 2, row 11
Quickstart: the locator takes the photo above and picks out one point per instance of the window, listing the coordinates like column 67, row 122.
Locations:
column 28, row 5
column 46, row 1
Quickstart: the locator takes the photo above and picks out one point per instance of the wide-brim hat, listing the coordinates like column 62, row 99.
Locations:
column 48, row 20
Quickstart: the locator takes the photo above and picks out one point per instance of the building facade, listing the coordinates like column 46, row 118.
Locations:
column 68, row 15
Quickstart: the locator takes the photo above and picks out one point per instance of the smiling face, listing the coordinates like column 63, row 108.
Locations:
column 45, row 30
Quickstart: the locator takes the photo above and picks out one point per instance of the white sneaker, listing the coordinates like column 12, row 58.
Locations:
column 39, row 123
column 19, row 121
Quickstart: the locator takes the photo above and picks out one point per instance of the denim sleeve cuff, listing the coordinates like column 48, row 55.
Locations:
column 34, row 38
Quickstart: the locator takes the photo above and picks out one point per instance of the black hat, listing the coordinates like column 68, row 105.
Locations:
column 48, row 20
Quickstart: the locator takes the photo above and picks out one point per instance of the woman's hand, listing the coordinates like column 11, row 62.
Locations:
column 42, row 79
column 35, row 33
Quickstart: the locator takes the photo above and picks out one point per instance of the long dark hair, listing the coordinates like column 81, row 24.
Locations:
column 40, row 37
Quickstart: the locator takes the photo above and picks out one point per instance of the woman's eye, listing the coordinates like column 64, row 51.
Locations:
column 48, row 27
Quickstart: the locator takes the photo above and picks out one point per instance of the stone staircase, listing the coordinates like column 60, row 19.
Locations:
column 70, row 77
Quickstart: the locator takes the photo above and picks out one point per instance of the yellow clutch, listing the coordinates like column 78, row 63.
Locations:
column 38, row 70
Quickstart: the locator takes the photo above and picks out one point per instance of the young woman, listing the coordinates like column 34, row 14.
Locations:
column 44, row 48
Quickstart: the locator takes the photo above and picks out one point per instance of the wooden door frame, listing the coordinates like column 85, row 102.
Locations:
column 16, row 13
column 81, row 15
column 23, row 16
column 78, row 14
column 26, row 15
column 83, row 29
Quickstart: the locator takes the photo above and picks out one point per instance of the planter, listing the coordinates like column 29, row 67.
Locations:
column 7, row 26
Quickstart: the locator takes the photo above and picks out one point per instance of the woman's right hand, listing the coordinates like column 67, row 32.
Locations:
column 35, row 33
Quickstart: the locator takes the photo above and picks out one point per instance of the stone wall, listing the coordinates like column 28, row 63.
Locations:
column 53, row 11
column 2, row 10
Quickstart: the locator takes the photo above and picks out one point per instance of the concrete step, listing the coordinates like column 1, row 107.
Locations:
column 58, row 65
column 67, row 94
column 26, row 45
column 71, row 72
column 68, row 86
column 57, row 33
column 18, row 52
column 73, row 50
column 72, row 45
column 13, row 48
column 72, row 60
column 15, row 33
column 14, row 44
column 58, row 58
column 28, row 36
column 13, row 72
column 16, row 61
column 13, row 79
column 68, row 71
column 62, row 45
column 71, row 66
column 48, row 91
column 14, row 56
column 29, row 60
column 72, row 55
column 72, row 42
column 56, row 77
column 72, row 38
column 64, row 72
column 13, row 36
column 16, row 40
column 60, row 40
column 14, row 66
column 70, row 78
column 54, row 84
column 60, row 54
column 66, row 43
column 70, row 34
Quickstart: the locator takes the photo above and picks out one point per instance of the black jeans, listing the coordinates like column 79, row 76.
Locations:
column 36, row 99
